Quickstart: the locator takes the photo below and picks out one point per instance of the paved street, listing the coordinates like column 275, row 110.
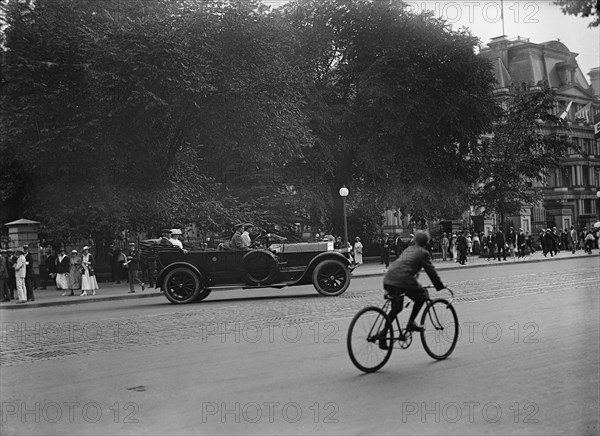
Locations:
column 275, row 362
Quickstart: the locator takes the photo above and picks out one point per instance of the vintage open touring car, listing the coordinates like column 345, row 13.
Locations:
column 191, row 276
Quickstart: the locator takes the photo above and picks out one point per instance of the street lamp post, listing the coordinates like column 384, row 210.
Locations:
column 344, row 193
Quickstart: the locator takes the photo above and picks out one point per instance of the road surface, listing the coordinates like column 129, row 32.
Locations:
column 527, row 362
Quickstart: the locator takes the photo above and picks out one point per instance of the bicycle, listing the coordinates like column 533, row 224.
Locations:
column 439, row 338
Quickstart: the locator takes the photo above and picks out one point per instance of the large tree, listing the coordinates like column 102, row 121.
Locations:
column 114, row 111
column 396, row 101
column 524, row 146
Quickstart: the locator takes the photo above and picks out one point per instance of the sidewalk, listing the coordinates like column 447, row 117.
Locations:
column 111, row 291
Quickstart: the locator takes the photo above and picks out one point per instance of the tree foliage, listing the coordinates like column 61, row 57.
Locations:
column 395, row 101
column 139, row 114
column 585, row 8
column 112, row 110
column 524, row 146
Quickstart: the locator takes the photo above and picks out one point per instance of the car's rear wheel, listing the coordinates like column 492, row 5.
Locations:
column 182, row 285
column 331, row 277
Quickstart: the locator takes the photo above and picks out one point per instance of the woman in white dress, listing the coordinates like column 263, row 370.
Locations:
column 358, row 251
column 88, row 277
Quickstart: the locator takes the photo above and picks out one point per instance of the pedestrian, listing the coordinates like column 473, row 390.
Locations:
column 491, row 245
column 74, row 272
column 12, row 281
column 501, row 244
column 29, row 274
column 476, row 244
column 399, row 245
column 462, row 247
column 529, row 243
column 454, row 247
column 445, row 244
column 384, row 244
column 4, row 291
column 555, row 241
column 573, row 239
column 547, row 241
column 133, row 266
column 511, row 240
column 358, row 251
column 62, row 271
column 20, row 275
column 521, row 243
column 564, row 240
column 88, row 278
column 589, row 242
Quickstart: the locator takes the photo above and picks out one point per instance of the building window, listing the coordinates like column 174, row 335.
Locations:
column 565, row 177
column 587, row 206
column 586, row 175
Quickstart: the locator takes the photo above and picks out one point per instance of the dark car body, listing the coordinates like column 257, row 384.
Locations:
column 191, row 276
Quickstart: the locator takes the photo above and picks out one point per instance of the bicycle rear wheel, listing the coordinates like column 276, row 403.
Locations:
column 441, row 329
column 363, row 342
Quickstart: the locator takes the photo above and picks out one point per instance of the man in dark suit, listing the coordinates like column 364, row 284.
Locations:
column 133, row 268
column 521, row 243
column 500, row 243
column 401, row 278
column 29, row 274
column 461, row 247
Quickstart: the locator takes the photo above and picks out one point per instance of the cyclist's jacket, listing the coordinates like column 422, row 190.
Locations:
column 402, row 271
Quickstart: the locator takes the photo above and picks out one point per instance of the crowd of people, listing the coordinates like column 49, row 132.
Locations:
column 496, row 244
column 75, row 273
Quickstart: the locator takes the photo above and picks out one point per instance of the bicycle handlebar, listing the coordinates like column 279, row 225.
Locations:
column 433, row 287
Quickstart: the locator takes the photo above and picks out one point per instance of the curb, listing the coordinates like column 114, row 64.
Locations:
column 80, row 300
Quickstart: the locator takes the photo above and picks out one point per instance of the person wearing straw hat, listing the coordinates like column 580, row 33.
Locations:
column 20, row 273
column 88, row 278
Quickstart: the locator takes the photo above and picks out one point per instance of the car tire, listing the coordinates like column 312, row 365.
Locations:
column 182, row 285
column 331, row 278
column 260, row 267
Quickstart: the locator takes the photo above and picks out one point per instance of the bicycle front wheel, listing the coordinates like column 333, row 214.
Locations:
column 363, row 339
column 441, row 329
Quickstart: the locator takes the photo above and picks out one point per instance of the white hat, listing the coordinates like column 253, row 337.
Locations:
column 85, row 248
column 74, row 251
column 176, row 232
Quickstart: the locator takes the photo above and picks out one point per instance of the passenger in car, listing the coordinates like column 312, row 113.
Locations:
column 237, row 242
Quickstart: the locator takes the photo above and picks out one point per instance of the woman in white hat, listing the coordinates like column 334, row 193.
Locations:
column 358, row 251
column 88, row 278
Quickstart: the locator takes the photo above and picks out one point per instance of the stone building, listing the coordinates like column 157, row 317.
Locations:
column 570, row 193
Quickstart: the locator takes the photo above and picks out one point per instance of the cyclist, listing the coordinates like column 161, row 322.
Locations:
column 401, row 277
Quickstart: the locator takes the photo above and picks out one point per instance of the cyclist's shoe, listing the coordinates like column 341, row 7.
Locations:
column 383, row 342
column 412, row 327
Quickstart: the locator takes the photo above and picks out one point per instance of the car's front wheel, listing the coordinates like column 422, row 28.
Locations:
column 331, row 277
column 182, row 285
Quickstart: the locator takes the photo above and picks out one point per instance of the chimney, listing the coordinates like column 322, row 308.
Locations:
column 595, row 81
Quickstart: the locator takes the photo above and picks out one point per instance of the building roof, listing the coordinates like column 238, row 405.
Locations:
column 21, row 222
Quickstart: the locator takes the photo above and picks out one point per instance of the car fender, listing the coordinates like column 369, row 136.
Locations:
column 307, row 276
column 169, row 267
